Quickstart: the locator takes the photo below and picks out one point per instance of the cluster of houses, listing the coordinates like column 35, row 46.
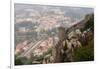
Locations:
column 21, row 47
column 39, row 50
column 44, row 46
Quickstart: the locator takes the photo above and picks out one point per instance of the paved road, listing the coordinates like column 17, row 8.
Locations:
column 31, row 46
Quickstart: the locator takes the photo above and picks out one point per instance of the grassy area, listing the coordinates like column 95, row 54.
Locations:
column 85, row 53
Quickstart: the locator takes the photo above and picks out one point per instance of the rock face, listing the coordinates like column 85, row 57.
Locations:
column 81, row 25
column 59, row 46
column 62, row 33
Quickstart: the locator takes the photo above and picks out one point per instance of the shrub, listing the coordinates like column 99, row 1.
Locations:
column 85, row 53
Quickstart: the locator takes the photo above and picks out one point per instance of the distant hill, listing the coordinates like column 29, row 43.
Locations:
column 87, row 22
column 24, row 10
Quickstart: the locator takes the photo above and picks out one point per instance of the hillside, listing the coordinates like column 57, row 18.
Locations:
column 87, row 22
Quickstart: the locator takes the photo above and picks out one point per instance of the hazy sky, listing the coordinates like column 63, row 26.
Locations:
column 22, row 8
